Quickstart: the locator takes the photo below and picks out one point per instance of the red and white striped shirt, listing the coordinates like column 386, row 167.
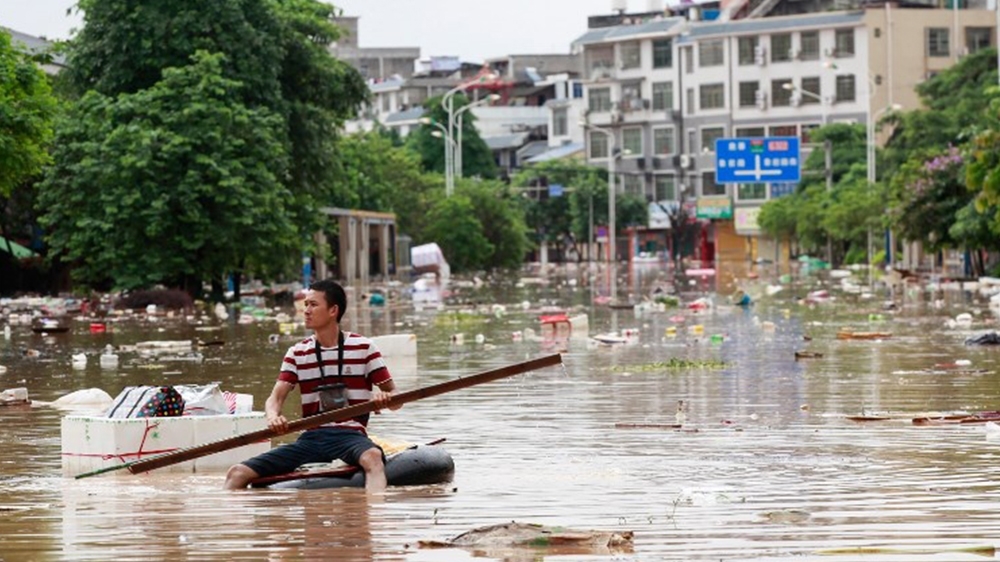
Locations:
column 363, row 368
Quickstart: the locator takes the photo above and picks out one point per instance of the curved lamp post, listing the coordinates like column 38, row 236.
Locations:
column 822, row 101
column 448, row 105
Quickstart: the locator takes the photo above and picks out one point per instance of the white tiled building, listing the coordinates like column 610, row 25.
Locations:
column 668, row 87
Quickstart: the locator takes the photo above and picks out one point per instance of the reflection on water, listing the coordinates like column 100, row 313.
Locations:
column 765, row 467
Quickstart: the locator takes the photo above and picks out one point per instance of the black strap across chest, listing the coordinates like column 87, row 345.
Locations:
column 340, row 359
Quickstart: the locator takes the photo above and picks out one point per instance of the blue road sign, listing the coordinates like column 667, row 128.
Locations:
column 757, row 159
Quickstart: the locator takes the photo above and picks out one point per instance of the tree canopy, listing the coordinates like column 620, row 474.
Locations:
column 172, row 184
column 27, row 108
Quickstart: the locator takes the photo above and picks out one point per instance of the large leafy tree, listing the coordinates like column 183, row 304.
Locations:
column 585, row 201
column 926, row 194
column 477, row 159
column 277, row 62
column 173, row 184
column 27, row 109
column 816, row 214
column 480, row 227
column 378, row 176
column 125, row 45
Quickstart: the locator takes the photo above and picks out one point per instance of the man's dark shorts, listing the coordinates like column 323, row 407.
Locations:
column 324, row 444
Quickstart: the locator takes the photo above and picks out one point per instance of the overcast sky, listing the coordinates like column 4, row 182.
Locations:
column 473, row 30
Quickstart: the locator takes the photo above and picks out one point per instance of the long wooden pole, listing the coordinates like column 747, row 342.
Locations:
column 167, row 459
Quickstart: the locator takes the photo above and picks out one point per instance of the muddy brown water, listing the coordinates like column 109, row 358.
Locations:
column 766, row 466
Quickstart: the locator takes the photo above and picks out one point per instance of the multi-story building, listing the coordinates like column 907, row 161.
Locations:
column 374, row 63
column 668, row 87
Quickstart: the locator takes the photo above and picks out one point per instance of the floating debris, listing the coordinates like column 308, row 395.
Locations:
column 673, row 364
column 530, row 535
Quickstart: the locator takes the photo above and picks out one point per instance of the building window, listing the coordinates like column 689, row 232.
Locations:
column 663, row 141
column 780, row 97
column 631, row 96
column 845, row 88
column 938, row 44
column 748, row 93
column 666, row 188
column 747, row 50
column 710, row 53
column 559, row 122
column 632, row 141
column 630, row 55
column 598, row 145
column 690, row 145
column 690, row 101
column 663, row 53
column 708, row 137
column 977, row 38
column 751, row 191
column 386, row 103
column 784, row 131
column 809, row 45
column 663, row 96
column 781, row 47
column 843, row 43
column 712, row 96
column 577, row 90
column 744, row 132
column 709, row 187
column 599, row 58
column 688, row 60
column 634, row 185
column 811, row 85
column 807, row 130
column 599, row 99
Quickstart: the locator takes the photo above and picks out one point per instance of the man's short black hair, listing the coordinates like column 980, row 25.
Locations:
column 334, row 294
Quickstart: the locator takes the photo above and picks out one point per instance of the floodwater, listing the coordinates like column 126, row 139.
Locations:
column 765, row 467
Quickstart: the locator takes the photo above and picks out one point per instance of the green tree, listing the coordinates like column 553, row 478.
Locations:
column 173, row 184
column 379, row 176
column 477, row 158
column 926, row 194
column 27, row 110
column 814, row 214
column 277, row 55
column 452, row 223
column 124, row 45
column 480, row 227
column 557, row 219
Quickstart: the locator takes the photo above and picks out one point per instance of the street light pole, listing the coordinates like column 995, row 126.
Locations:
column 441, row 133
column 822, row 101
column 448, row 105
column 612, row 258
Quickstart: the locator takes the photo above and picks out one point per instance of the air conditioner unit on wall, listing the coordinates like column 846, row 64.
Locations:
column 760, row 55
column 760, row 97
column 686, row 161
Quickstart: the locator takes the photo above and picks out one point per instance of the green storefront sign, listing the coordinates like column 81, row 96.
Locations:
column 715, row 207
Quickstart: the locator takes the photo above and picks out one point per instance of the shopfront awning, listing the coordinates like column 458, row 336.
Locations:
column 19, row 251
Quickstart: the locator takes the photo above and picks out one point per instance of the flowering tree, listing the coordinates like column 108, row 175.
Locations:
column 926, row 195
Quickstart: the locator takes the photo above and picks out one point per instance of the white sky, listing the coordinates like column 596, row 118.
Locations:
column 473, row 30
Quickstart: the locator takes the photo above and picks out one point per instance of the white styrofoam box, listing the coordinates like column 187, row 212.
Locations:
column 399, row 352
column 91, row 443
column 397, row 345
